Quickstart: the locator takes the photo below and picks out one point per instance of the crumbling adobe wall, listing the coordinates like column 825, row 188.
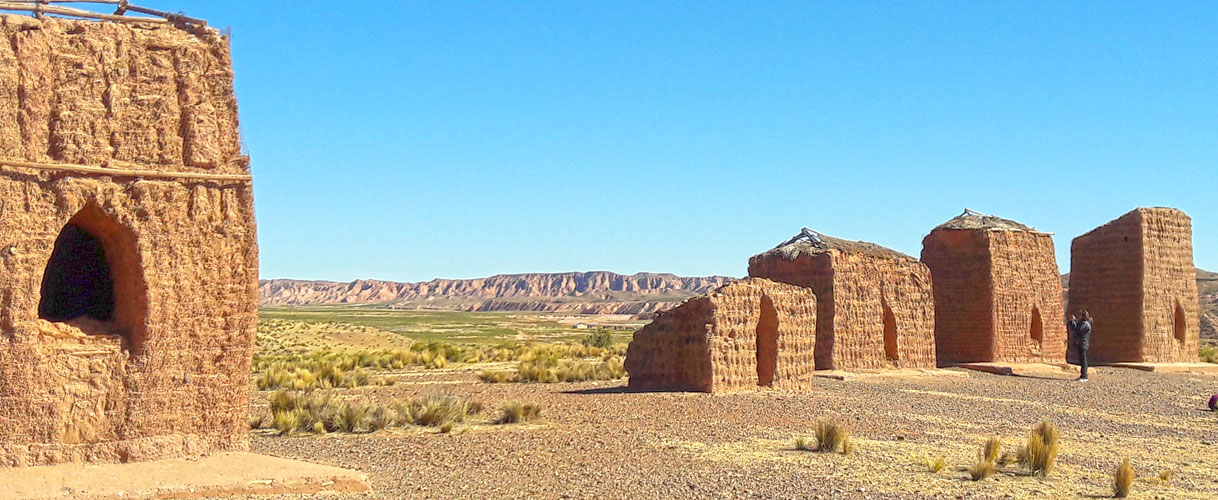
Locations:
column 168, row 375
column 1132, row 274
column 998, row 293
column 959, row 261
column 874, row 309
column 1169, row 287
column 745, row 334
column 1029, row 326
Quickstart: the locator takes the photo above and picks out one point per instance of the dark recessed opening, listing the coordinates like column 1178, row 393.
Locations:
column 77, row 282
column 1180, row 324
column 767, row 342
column 94, row 280
column 890, row 332
column 1038, row 327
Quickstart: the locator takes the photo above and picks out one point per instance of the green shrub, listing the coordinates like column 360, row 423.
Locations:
column 1208, row 354
column 600, row 338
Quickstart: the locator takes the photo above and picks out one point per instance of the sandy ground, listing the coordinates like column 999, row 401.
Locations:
column 600, row 441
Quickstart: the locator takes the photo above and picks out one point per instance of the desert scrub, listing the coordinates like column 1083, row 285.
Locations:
column 803, row 444
column 1122, row 479
column 832, row 435
column 981, row 469
column 935, row 465
column 320, row 413
column 1208, row 354
column 317, row 376
column 1040, row 452
column 518, row 413
column 1165, row 476
column 435, row 410
column 496, row 376
column 991, row 450
column 548, row 370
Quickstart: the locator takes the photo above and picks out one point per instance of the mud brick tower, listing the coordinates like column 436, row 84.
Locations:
column 998, row 294
column 746, row 334
column 1136, row 277
column 874, row 306
column 128, row 255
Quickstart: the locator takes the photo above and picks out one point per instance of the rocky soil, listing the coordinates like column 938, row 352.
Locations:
column 600, row 441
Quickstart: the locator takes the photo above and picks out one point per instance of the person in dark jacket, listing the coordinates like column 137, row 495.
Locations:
column 1080, row 336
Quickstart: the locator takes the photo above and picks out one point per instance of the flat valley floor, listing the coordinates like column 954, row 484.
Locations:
column 599, row 440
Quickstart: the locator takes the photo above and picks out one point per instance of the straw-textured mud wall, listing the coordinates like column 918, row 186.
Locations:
column 127, row 306
column 874, row 309
column 746, row 334
column 1136, row 276
column 998, row 296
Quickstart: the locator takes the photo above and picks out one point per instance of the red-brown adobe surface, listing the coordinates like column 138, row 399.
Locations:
column 998, row 293
column 749, row 333
column 127, row 306
column 1135, row 276
column 875, row 307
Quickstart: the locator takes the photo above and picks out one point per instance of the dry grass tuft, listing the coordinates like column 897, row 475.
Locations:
column 1122, row 479
column 831, row 435
column 435, row 410
column 991, row 450
column 495, row 376
column 935, row 465
column 515, row 412
column 802, row 444
column 1040, row 453
column 1165, row 476
column 981, row 469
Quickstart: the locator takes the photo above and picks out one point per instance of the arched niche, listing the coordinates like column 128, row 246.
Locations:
column 94, row 279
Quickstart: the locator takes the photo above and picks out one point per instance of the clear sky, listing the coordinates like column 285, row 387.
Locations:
column 414, row 140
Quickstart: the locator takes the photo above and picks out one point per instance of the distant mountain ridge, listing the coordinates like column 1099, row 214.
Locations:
column 599, row 292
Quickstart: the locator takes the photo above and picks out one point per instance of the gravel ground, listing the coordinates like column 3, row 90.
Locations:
column 601, row 441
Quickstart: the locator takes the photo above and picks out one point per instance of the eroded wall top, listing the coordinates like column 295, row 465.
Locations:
column 120, row 96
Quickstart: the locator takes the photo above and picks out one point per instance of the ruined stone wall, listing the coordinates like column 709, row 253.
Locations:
column 168, row 376
column 959, row 261
column 1136, row 276
column 872, row 312
column 1029, row 326
column 748, row 333
column 1106, row 279
column 1171, row 311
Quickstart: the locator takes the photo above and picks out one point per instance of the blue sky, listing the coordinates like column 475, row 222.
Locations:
column 464, row 139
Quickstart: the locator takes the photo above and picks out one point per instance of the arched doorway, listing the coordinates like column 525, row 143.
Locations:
column 94, row 279
column 890, row 332
column 1180, row 323
column 767, row 342
column 1037, row 330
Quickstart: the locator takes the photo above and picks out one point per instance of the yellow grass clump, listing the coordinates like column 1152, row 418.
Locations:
column 1122, row 479
column 981, row 469
column 1040, row 453
column 935, row 465
column 516, row 412
column 832, row 435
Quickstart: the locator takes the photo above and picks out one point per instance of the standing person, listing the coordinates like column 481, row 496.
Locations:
column 1080, row 335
